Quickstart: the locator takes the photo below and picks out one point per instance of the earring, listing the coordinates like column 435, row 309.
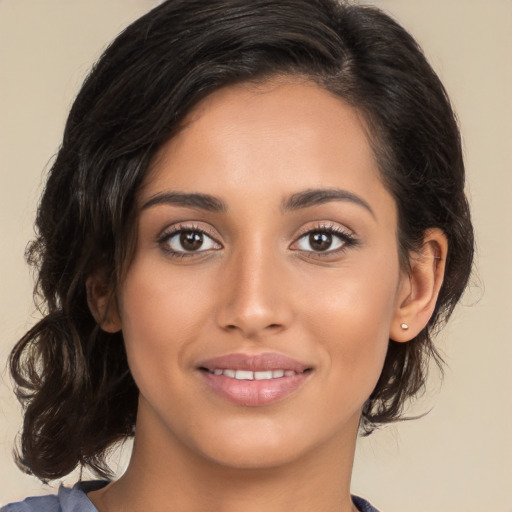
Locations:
column 404, row 327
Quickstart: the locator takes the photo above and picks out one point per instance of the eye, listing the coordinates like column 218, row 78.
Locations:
column 325, row 239
column 187, row 241
column 319, row 241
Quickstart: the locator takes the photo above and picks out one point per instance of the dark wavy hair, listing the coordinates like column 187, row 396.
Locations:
column 73, row 378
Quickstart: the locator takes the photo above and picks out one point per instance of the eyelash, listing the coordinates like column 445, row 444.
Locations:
column 346, row 237
column 164, row 239
column 347, row 240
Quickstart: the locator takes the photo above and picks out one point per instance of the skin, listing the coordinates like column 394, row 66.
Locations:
column 259, row 286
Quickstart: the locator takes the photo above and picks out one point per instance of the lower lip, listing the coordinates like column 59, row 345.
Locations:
column 254, row 393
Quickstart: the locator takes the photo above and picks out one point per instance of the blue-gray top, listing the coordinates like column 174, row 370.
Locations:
column 76, row 500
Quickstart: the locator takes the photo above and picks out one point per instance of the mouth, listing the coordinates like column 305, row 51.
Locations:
column 254, row 380
column 250, row 375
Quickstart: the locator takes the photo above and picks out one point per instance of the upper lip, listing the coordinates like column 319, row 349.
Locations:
column 255, row 362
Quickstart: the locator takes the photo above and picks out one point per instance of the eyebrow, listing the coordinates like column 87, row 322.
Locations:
column 315, row 197
column 191, row 200
column 297, row 201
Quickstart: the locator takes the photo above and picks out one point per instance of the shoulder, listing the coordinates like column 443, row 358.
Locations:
column 72, row 499
column 75, row 500
column 362, row 505
column 36, row 503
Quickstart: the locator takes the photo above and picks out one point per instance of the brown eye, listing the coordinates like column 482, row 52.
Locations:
column 183, row 241
column 191, row 240
column 326, row 240
column 320, row 241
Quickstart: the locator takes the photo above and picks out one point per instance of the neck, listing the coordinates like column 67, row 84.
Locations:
column 170, row 476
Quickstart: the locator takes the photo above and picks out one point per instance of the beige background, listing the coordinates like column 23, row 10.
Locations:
column 459, row 457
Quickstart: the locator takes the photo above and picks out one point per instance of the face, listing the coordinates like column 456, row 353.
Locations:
column 257, row 309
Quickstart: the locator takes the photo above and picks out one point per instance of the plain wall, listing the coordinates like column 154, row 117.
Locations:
column 458, row 457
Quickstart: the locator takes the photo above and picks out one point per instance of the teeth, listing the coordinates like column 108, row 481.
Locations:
column 244, row 375
column 249, row 375
column 263, row 375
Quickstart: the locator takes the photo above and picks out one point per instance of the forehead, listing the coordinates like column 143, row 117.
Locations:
column 273, row 137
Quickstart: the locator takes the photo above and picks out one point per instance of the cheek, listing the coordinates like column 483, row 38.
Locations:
column 160, row 315
column 156, row 301
column 352, row 320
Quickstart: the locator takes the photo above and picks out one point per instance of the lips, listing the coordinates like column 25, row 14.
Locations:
column 254, row 380
column 250, row 375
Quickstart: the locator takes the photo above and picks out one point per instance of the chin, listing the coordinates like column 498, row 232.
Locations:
column 265, row 445
column 247, row 443
column 254, row 457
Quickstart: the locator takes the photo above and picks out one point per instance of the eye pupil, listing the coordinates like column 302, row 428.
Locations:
column 191, row 240
column 320, row 241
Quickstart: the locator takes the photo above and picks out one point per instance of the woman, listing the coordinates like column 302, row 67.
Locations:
column 254, row 223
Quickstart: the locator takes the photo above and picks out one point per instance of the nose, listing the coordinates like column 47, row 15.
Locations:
column 255, row 296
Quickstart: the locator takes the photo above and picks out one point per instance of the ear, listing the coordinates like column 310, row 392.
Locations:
column 102, row 304
column 419, row 289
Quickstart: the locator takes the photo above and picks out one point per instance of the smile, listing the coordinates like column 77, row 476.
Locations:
column 250, row 375
column 254, row 380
